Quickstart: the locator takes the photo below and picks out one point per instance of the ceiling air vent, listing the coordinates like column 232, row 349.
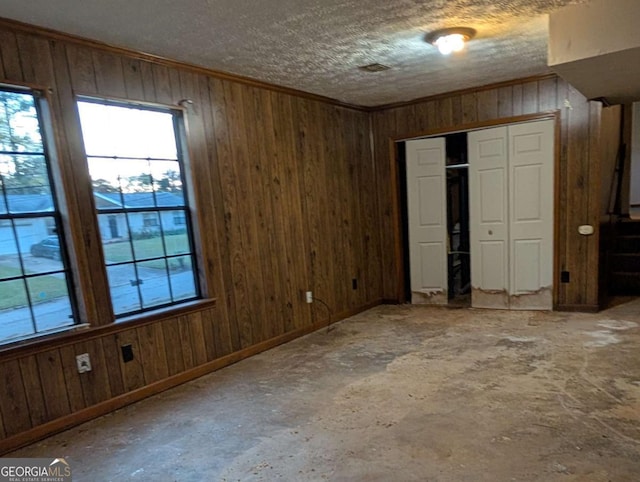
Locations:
column 374, row 68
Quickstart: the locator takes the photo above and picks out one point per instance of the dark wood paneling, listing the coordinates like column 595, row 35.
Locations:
column 13, row 399
column 33, row 390
column 132, row 371
column 53, row 384
column 284, row 200
column 112, row 358
column 133, row 82
column 578, row 164
column 152, row 352
column 12, row 70
column 72, row 377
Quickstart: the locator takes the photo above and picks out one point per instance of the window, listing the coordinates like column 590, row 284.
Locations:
column 149, row 220
column 136, row 168
column 179, row 220
column 34, row 277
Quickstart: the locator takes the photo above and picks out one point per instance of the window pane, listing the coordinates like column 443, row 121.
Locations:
column 50, row 300
column 16, row 316
column 166, row 179
column 147, row 240
column 182, row 278
column 8, row 248
column 123, row 286
column 110, row 130
column 175, row 238
column 115, row 242
column 19, row 126
column 40, row 253
column 26, row 184
column 155, row 283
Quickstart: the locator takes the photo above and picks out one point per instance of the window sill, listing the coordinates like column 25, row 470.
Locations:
column 84, row 332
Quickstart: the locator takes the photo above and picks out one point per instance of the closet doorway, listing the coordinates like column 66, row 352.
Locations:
column 479, row 217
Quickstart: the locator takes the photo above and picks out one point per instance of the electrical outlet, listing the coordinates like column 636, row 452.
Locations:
column 309, row 296
column 84, row 363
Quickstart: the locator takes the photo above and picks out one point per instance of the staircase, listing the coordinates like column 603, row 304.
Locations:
column 624, row 258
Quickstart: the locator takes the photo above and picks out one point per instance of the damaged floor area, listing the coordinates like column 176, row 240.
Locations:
column 394, row 393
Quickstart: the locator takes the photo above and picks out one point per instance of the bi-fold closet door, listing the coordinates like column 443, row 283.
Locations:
column 427, row 212
column 511, row 216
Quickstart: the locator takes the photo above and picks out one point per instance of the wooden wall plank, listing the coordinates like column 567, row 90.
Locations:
column 53, row 384
column 259, row 184
column 12, row 70
column 80, row 61
column 505, row 102
column 272, row 192
column 132, row 372
column 162, row 84
column 577, row 196
column 13, row 400
column 109, row 75
column 445, row 112
column 563, row 246
column 547, row 94
column 517, row 93
column 487, row 105
column 35, row 58
column 235, row 298
column 469, row 108
column 592, row 215
column 186, row 341
column 297, row 269
column 198, row 343
column 33, row 390
column 217, row 328
column 95, row 384
column 112, row 358
column 133, row 81
column 3, row 432
column 148, row 82
column 72, row 377
column 530, row 98
column 153, row 352
column 173, row 346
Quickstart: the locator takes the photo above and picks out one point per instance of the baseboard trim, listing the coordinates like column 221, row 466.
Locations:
column 40, row 432
column 579, row 308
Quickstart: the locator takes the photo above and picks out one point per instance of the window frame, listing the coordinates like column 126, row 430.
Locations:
column 179, row 122
column 41, row 104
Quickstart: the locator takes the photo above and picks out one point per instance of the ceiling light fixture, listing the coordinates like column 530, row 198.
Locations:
column 450, row 40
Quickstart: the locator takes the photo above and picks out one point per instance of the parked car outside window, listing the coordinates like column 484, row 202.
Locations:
column 49, row 247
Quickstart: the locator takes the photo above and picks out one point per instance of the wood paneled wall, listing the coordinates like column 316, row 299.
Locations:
column 285, row 201
column 578, row 184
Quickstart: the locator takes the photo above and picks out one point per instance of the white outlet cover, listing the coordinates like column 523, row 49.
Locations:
column 83, row 362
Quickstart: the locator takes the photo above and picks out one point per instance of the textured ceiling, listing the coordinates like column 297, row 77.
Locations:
column 316, row 46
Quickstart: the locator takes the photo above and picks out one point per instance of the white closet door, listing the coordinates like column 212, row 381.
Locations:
column 531, row 215
column 426, row 190
column 489, row 217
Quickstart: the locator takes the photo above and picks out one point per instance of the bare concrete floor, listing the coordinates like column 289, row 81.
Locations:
column 397, row 393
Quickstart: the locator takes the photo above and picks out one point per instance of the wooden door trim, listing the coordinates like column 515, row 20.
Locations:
column 398, row 223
